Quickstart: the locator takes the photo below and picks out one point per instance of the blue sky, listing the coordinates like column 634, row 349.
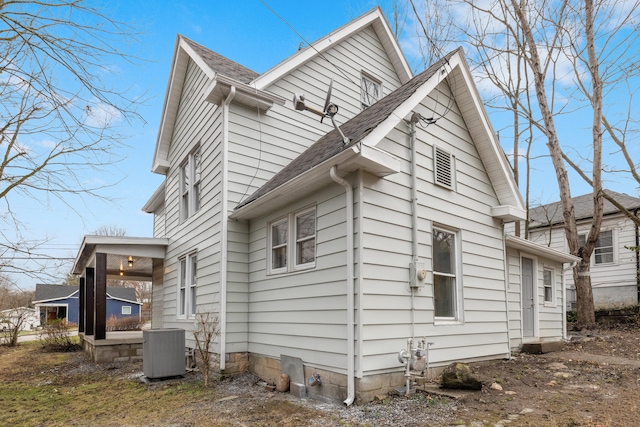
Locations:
column 244, row 31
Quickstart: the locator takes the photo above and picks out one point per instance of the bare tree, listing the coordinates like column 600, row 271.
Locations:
column 548, row 61
column 205, row 332
column 61, row 109
column 14, row 310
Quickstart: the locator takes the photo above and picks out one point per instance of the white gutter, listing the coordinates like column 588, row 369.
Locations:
column 224, row 226
column 350, row 284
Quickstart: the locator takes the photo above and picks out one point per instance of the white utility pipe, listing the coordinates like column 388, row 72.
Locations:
column 506, row 289
column 224, row 226
column 414, row 219
column 350, row 284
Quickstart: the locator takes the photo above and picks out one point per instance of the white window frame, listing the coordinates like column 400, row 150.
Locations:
column 457, row 276
column 582, row 237
column 187, row 286
column 551, row 286
column 190, row 194
column 366, row 80
column 292, row 243
column 126, row 309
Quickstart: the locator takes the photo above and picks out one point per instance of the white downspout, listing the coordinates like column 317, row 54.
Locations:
column 506, row 290
column 564, row 299
column 414, row 218
column 360, row 268
column 224, row 227
column 350, row 284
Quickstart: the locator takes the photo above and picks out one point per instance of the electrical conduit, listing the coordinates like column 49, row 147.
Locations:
column 224, row 227
column 350, row 284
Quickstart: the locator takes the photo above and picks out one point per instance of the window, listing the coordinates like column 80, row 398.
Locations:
column 603, row 252
column 126, row 309
column 370, row 90
column 445, row 277
column 190, row 185
column 548, row 283
column 443, row 167
column 302, row 252
column 187, row 286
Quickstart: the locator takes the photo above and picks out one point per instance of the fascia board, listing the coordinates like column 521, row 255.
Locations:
column 508, row 213
column 494, row 145
column 271, row 200
column 156, row 200
column 220, row 86
column 333, row 38
column 122, row 299
column 534, row 248
column 405, row 109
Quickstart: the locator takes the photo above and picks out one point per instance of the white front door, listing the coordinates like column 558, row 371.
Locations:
column 528, row 302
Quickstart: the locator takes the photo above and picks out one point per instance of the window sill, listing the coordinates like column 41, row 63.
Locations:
column 549, row 304
column 296, row 270
column 447, row 322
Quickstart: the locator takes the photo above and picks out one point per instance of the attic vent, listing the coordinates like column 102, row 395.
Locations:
column 443, row 167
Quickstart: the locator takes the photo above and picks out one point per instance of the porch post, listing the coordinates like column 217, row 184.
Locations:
column 81, row 308
column 89, row 304
column 101, row 296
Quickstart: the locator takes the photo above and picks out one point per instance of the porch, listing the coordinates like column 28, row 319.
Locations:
column 103, row 258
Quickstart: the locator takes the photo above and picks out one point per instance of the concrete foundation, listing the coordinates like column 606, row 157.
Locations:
column 116, row 347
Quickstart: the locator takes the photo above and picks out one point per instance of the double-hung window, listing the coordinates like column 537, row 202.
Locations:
column 445, row 275
column 370, row 90
column 187, row 285
column 603, row 251
column 292, row 242
column 190, row 176
column 549, row 288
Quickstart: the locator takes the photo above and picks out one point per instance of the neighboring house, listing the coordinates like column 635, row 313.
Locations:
column 27, row 318
column 614, row 266
column 60, row 302
column 329, row 252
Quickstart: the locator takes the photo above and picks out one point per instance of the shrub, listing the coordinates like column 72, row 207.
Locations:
column 54, row 336
column 128, row 323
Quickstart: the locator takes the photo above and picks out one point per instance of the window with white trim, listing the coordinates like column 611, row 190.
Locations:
column 126, row 309
column 190, row 185
column 549, row 286
column 297, row 252
column 187, row 285
column 443, row 168
column 370, row 90
column 603, row 252
column 445, row 275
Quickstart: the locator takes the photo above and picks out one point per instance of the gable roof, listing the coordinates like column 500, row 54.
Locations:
column 371, row 125
column 53, row 292
column 551, row 213
column 46, row 293
column 250, row 86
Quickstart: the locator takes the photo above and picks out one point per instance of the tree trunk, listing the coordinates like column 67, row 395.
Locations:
column 584, row 294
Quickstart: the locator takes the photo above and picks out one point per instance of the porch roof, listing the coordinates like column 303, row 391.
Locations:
column 142, row 250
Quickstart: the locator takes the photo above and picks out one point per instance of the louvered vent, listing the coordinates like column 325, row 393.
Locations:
column 443, row 168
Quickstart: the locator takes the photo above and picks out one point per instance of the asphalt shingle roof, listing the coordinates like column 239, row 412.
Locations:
column 583, row 207
column 223, row 65
column 355, row 129
column 56, row 292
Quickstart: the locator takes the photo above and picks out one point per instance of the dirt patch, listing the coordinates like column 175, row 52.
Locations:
column 594, row 381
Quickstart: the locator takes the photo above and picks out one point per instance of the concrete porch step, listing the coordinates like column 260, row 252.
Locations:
column 542, row 347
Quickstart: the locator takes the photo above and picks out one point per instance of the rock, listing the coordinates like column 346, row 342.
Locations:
column 283, row 383
column 562, row 375
column 552, row 383
column 380, row 397
column 510, row 393
column 459, row 376
column 526, row 411
column 496, row 386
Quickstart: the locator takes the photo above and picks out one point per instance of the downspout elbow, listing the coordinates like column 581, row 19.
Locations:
column 350, row 284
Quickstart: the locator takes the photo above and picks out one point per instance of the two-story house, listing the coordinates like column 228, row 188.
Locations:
column 614, row 265
column 334, row 246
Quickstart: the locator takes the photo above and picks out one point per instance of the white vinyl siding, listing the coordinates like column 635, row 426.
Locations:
column 614, row 283
column 387, row 244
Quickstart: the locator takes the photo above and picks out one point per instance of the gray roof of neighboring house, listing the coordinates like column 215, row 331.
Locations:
column 58, row 292
column 583, row 207
column 223, row 65
column 355, row 129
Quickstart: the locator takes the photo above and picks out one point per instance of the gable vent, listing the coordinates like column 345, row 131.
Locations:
column 443, row 167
